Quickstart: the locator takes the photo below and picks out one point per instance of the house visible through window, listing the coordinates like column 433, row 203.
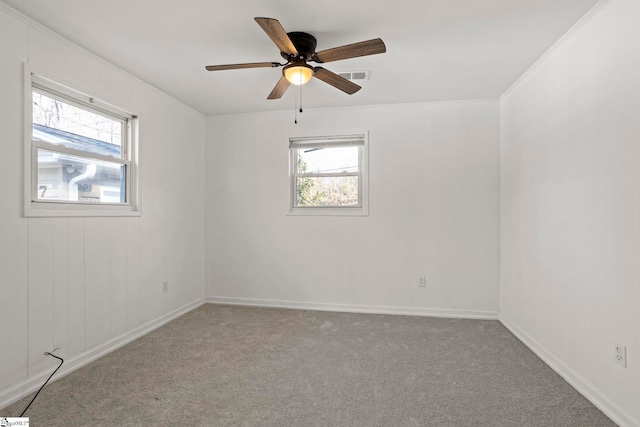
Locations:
column 329, row 175
column 81, row 154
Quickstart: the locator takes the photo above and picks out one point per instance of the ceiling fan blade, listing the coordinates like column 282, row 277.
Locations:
column 335, row 80
column 276, row 33
column 279, row 89
column 369, row 47
column 239, row 66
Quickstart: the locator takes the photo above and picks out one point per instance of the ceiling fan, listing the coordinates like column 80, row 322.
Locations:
column 299, row 48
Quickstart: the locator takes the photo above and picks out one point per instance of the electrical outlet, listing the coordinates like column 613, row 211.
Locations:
column 422, row 281
column 621, row 355
column 165, row 286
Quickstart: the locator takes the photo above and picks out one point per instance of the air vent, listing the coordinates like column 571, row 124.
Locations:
column 355, row 75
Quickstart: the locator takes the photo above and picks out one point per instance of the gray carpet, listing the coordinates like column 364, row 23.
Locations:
column 243, row 366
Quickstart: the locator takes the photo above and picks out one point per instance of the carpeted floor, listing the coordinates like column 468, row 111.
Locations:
column 245, row 366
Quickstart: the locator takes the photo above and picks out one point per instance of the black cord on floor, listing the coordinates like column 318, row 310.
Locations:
column 45, row 383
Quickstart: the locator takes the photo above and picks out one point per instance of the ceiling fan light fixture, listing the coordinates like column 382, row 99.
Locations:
column 298, row 74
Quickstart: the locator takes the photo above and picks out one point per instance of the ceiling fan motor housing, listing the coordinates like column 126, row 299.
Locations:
column 305, row 45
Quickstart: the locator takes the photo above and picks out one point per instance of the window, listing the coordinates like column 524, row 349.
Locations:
column 81, row 154
column 329, row 175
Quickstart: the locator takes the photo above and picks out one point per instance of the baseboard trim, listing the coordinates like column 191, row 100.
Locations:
column 24, row 388
column 610, row 409
column 356, row 308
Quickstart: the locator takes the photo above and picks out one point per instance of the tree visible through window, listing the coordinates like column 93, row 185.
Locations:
column 328, row 172
column 308, row 194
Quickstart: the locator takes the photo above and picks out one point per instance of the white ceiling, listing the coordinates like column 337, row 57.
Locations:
column 436, row 49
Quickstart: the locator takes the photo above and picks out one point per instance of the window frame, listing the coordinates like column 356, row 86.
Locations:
column 361, row 140
column 34, row 207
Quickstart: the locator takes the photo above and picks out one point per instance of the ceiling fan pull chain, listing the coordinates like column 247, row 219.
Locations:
column 300, row 98
column 295, row 110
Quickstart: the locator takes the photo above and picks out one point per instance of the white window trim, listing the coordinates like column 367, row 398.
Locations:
column 47, row 208
column 363, row 182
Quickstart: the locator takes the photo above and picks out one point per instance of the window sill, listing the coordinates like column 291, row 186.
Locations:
column 313, row 211
column 47, row 209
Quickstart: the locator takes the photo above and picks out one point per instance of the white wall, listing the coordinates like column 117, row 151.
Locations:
column 570, row 208
column 84, row 282
column 434, row 211
column 565, row 208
